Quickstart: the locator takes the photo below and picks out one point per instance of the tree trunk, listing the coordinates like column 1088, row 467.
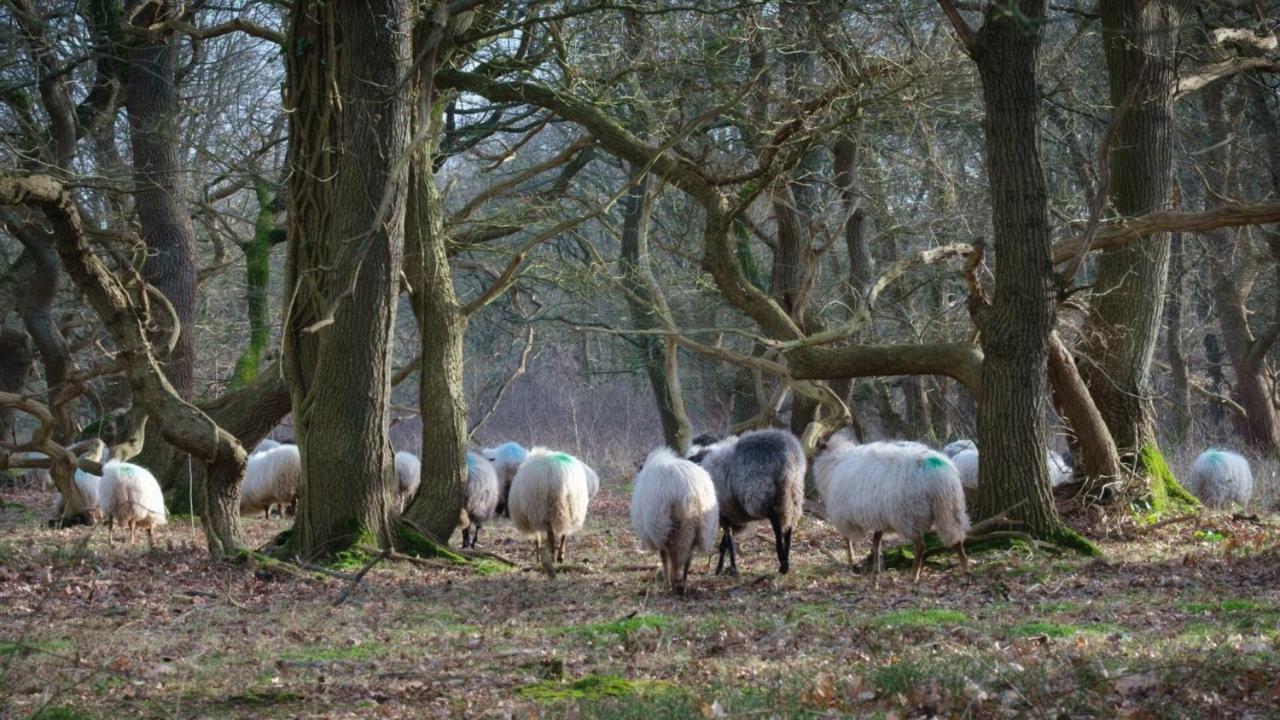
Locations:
column 648, row 309
column 1120, row 334
column 442, row 400
column 1179, row 393
column 348, row 136
column 1259, row 426
column 257, row 265
column 35, row 306
column 1016, row 325
column 1097, row 460
column 17, row 360
column 152, row 96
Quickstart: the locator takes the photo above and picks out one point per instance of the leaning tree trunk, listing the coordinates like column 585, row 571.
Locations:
column 1123, row 326
column 648, row 306
column 159, row 186
column 1179, row 392
column 1015, row 326
column 348, row 136
column 441, row 393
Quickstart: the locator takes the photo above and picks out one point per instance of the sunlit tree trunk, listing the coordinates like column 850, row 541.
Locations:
column 349, row 123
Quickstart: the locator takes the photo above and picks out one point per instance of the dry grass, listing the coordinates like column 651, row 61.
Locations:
column 1183, row 623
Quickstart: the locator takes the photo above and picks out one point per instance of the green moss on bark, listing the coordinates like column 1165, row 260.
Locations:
column 411, row 542
column 1167, row 494
column 257, row 260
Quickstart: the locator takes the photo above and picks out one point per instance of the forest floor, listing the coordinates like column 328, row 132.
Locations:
column 1182, row 621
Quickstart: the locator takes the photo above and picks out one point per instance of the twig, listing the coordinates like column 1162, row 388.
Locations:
column 1171, row 521
column 360, row 576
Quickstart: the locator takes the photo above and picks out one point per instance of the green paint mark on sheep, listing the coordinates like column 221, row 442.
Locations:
column 587, row 687
column 935, row 462
column 562, row 458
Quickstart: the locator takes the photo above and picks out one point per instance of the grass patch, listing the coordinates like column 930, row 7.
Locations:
column 20, row 649
column 489, row 567
column 1064, row 630
column 922, row 618
column 61, row 712
column 588, row 687
column 363, row 651
column 621, row 628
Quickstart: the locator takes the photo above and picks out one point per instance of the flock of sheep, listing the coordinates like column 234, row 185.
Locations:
column 677, row 503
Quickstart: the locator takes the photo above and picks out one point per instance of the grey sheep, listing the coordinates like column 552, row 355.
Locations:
column 481, row 497
column 759, row 476
column 1219, row 478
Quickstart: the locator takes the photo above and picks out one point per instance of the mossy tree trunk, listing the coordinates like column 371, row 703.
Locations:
column 257, row 262
column 348, row 139
column 1123, row 325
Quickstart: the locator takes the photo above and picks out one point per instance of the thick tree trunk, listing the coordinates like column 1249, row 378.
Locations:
column 1016, row 325
column 152, row 96
column 348, row 136
column 1120, row 334
column 35, row 306
column 257, row 264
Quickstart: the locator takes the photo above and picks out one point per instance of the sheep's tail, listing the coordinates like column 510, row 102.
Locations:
column 946, row 501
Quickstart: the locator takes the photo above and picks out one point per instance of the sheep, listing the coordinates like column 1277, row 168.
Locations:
column 700, row 443
column 265, row 445
column 549, row 497
column 882, row 487
column 674, row 512
column 593, row 480
column 38, row 477
column 481, row 497
column 1219, row 478
column 408, row 477
column 131, row 495
column 507, row 458
column 86, row 505
column 757, row 476
column 955, row 448
column 966, row 462
column 272, row 477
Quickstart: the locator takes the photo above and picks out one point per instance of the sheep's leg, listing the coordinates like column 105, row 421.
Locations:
column 875, row 558
column 786, row 537
column 466, row 537
column 547, row 552
column 778, row 545
column 918, row 565
column 848, row 546
column 266, row 512
column 733, row 556
column 111, row 530
column 667, row 577
column 475, row 535
column 564, row 541
column 724, row 547
column 133, row 531
column 151, row 537
column 964, row 559
column 684, row 574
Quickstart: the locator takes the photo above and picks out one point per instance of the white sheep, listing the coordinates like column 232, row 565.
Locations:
column 481, row 497
column 265, row 445
column 408, row 477
column 759, row 476
column 506, row 458
column 883, row 487
column 955, row 448
column 674, row 512
column 1219, row 478
column 86, row 505
column 130, row 495
column 549, row 497
column 272, row 477
column 966, row 462
column 593, row 480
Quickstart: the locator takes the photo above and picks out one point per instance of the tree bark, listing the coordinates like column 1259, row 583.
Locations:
column 257, row 265
column 1179, row 392
column 1259, row 426
column 151, row 93
column 1097, row 460
column 1015, row 326
column 17, row 360
column 1120, row 334
column 348, row 139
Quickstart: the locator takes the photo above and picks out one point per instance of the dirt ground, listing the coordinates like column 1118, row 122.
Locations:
column 1180, row 621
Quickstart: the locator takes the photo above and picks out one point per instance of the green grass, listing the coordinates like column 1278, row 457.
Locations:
column 363, row 651
column 587, row 687
column 61, row 712
column 621, row 628
column 1064, row 630
column 921, row 618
